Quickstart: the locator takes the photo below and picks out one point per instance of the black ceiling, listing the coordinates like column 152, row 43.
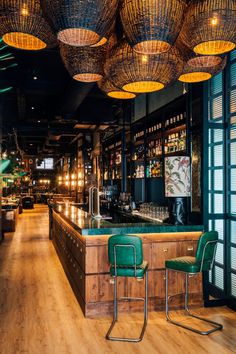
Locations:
column 46, row 102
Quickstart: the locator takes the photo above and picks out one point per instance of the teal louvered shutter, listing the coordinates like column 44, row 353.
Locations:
column 220, row 177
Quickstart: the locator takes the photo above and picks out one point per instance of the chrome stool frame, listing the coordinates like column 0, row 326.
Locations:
column 115, row 311
column 216, row 326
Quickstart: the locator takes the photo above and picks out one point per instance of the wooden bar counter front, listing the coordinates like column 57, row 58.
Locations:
column 85, row 261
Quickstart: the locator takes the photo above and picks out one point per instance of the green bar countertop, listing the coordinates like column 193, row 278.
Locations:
column 88, row 226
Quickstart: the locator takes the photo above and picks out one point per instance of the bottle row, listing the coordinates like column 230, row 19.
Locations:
column 153, row 169
column 175, row 142
column 170, row 123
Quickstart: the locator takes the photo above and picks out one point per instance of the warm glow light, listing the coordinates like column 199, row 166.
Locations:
column 24, row 10
column 101, row 42
column 60, row 178
column 73, row 176
column 78, row 37
column 143, row 86
column 121, row 95
column 195, row 77
column 214, row 47
column 152, row 47
column 67, row 176
column 144, row 58
column 214, row 21
column 23, row 41
column 67, row 183
column 73, row 183
column 80, row 175
column 87, row 77
column 80, row 183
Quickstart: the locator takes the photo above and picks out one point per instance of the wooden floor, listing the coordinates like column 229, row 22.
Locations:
column 40, row 315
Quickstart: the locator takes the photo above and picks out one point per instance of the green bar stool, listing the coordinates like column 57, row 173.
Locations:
column 126, row 260
column 203, row 261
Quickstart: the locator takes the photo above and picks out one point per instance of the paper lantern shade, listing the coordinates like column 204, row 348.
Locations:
column 177, row 176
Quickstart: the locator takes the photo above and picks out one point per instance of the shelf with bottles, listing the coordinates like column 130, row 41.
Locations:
column 139, row 170
column 154, row 148
column 139, row 153
column 154, row 131
column 175, row 142
column 116, row 174
column 139, row 137
column 175, row 121
column 154, row 168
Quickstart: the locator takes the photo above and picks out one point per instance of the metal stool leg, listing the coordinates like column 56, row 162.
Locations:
column 217, row 326
column 115, row 314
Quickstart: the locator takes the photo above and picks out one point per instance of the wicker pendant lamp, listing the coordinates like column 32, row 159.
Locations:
column 22, row 25
column 83, row 63
column 152, row 26
column 200, row 68
column 210, row 26
column 81, row 22
column 140, row 73
column 112, row 91
column 197, row 67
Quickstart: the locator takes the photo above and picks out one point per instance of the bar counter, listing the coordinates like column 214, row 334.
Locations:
column 81, row 244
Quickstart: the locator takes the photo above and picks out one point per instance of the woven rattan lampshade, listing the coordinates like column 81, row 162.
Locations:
column 81, row 22
column 210, row 26
column 197, row 67
column 83, row 63
column 152, row 26
column 203, row 72
column 140, row 73
column 112, row 91
column 22, row 25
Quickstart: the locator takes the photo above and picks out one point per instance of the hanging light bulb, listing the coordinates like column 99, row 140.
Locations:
column 138, row 73
column 152, row 26
column 81, row 23
column 83, row 63
column 23, row 26
column 210, row 26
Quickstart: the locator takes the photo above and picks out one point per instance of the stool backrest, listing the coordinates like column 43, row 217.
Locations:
column 125, row 251
column 206, row 250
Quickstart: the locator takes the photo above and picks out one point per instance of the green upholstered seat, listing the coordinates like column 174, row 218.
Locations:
column 203, row 261
column 184, row 264
column 130, row 271
column 193, row 264
column 125, row 255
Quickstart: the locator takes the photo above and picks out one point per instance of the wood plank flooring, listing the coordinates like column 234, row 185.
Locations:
column 40, row 315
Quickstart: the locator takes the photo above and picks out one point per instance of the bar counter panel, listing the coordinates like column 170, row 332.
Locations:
column 85, row 261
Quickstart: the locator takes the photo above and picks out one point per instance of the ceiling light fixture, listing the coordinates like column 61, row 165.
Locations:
column 152, row 26
column 129, row 71
column 83, row 64
column 193, row 74
column 23, row 26
column 197, row 67
column 210, row 26
column 112, row 91
column 81, row 22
